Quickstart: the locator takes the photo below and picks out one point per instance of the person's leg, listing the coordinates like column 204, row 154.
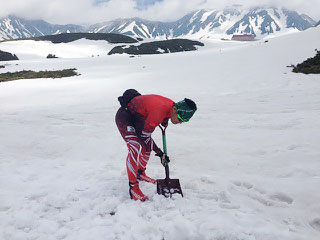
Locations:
column 143, row 159
column 144, row 154
column 142, row 165
column 126, row 128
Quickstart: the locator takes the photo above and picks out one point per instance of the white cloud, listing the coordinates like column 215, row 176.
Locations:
column 88, row 11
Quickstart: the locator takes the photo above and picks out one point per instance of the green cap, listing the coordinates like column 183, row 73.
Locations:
column 185, row 109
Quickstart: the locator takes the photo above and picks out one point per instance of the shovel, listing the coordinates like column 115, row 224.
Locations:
column 167, row 187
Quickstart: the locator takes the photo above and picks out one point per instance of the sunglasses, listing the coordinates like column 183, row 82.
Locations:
column 181, row 119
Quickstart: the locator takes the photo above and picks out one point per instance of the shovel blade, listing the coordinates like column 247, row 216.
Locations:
column 168, row 187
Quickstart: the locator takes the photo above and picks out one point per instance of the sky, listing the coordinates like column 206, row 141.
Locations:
column 95, row 11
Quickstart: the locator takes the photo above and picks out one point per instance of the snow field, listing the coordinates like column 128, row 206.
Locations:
column 248, row 161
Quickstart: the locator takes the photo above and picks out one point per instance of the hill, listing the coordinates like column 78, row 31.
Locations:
column 311, row 65
column 158, row 47
column 70, row 37
column 6, row 56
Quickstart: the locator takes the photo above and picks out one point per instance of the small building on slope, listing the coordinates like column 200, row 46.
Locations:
column 244, row 37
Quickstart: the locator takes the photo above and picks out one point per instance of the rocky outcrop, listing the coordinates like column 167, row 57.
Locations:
column 311, row 65
column 158, row 47
column 70, row 37
column 6, row 56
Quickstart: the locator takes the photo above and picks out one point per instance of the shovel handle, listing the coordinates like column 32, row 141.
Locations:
column 164, row 143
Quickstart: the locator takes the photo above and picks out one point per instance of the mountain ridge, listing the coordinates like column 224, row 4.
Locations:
column 13, row 27
column 257, row 21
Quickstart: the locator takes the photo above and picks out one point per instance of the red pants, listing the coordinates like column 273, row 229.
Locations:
column 130, row 128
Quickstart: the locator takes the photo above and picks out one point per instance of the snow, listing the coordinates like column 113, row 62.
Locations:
column 194, row 17
column 248, row 161
column 160, row 50
column 218, row 32
column 99, row 29
column 31, row 50
column 130, row 27
column 205, row 15
column 145, row 30
column 7, row 23
column 41, row 33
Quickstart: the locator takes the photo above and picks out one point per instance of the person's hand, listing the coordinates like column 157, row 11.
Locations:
column 163, row 158
column 165, row 123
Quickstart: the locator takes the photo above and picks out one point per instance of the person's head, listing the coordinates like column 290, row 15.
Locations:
column 182, row 111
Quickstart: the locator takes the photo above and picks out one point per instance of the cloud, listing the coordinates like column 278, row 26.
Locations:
column 93, row 11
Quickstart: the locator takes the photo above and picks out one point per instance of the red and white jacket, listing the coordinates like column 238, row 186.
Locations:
column 154, row 109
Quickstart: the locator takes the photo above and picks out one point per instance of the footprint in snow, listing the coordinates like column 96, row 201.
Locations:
column 243, row 184
column 315, row 224
column 261, row 195
column 207, row 180
column 281, row 197
column 229, row 206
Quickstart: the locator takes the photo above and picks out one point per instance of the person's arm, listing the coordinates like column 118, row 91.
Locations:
column 151, row 145
column 154, row 119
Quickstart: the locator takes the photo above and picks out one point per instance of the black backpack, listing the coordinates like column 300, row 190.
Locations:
column 127, row 96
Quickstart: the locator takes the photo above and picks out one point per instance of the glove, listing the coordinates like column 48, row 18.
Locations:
column 165, row 122
column 163, row 158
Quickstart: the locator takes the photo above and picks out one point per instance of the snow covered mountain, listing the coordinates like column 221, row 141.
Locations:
column 13, row 27
column 258, row 21
column 135, row 27
column 205, row 23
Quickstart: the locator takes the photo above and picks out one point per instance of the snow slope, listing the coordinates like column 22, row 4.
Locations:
column 36, row 50
column 248, row 161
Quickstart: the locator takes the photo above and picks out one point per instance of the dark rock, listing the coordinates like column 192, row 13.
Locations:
column 158, row 47
column 51, row 56
column 6, row 56
column 70, row 37
column 311, row 65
